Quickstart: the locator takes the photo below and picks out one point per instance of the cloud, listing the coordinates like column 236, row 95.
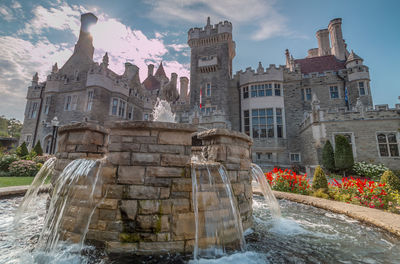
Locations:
column 20, row 57
column 6, row 13
column 178, row 47
column 262, row 15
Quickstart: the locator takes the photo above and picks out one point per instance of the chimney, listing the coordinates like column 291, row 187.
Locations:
column 85, row 41
column 150, row 70
column 337, row 43
column 324, row 47
column 35, row 79
column 184, row 88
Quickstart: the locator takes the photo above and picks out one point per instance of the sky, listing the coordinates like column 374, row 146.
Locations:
column 36, row 34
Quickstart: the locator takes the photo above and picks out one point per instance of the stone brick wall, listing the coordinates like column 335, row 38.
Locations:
column 148, row 206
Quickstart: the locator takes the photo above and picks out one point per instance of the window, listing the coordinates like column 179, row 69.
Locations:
column 130, row 112
column 89, row 100
column 361, row 88
column 121, row 109
column 146, row 117
column 34, row 110
column 28, row 139
column 48, row 145
column 388, row 145
column 245, row 92
column 246, row 120
column 295, row 157
column 47, row 105
column 308, row 94
column 114, row 106
column 208, row 89
column 279, row 125
column 253, row 91
column 260, row 90
column 277, row 89
column 74, row 102
column 268, row 89
column 258, row 155
column 334, row 92
column 68, row 103
column 262, row 123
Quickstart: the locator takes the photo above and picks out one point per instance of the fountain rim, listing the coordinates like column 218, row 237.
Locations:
column 224, row 132
column 87, row 125
column 126, row 124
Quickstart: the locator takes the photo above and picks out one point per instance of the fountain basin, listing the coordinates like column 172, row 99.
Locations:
column 146, row 201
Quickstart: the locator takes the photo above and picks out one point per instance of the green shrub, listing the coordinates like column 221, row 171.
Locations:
column 319, row 180
column 328, row 157
column 31, row 156
column 23, row 168
column 38, row 149
column 320, row 193
column 391, row 179
column 369, row 170
column 6, row 160
column 343, row 153
column 22, row 151
column 41, row 159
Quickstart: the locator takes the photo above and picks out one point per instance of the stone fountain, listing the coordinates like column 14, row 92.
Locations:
column 145, row 201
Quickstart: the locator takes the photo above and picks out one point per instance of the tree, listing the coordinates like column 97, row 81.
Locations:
column 328, row 157
column 22, row 151
column 319, row 180
column 38, row 149
column 391, row 179
column 343, row 154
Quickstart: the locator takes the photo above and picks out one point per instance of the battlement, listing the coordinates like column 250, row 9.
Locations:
column 210, row 30
column 381, row 112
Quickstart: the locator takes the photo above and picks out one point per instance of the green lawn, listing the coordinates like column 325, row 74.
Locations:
column 15, row 181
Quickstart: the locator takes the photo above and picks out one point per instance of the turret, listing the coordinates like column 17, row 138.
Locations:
column 260, row 68
column 184, row 88
column 85, row 41
column 105, row 60
column 54, row 69
column 337, row 43
column 323, row 42
column 150, row 70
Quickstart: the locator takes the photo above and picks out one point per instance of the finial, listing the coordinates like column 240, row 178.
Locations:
column 35, row 77
column 55, row 68
column 105, row 60
column 260, row 68
column 208, row 21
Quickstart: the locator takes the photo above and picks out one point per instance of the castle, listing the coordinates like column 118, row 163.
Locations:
column 290, row 111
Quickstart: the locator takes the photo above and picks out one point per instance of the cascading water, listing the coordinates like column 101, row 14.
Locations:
column 76, row 194
column 31, row 195
column 217, row 219
column 259, row 177
column 162, row 112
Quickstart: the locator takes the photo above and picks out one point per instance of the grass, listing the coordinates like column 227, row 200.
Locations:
column 15, row 181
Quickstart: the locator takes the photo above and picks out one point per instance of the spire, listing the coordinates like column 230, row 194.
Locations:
column 54, row 69
column 105, row 60
column 160, row 71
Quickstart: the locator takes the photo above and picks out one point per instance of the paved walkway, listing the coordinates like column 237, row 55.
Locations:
column 385, row 220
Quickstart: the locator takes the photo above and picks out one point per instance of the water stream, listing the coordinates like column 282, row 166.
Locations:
column 162, row 112
column 217, row 220
column 263, row 184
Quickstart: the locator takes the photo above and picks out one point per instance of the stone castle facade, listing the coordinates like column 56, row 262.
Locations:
column 290, row 111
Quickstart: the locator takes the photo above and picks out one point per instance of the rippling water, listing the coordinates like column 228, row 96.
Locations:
column 304, row 235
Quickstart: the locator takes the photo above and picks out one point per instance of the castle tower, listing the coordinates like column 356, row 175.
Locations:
column 337, row 43
column 358, row 83
column 183, row 90
column 323, row 42
column 212, row 52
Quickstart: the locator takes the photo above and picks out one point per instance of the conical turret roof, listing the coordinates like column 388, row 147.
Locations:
column 353, row 57
column 160, row 71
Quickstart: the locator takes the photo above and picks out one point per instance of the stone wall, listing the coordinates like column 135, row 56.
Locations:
column 147, row 185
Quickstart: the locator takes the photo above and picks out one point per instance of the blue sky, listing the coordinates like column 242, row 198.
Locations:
column 36, row 34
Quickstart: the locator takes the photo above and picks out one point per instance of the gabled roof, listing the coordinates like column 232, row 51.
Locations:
column 151, row 83
column 160, row 71
column 320, row 64
column 353, row 57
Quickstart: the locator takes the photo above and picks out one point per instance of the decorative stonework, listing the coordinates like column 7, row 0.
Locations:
column 148, row 207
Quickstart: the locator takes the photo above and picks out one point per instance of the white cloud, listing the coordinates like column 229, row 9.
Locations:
column 21, row 58
column 6, row 13
column 178, row 47
column 261, row 14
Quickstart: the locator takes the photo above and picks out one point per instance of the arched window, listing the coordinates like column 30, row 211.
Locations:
column 388, row 145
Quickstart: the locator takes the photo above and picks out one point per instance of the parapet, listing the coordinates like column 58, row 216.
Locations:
column 210, row 30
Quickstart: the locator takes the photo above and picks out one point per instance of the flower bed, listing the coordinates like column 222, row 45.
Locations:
column 288, row 181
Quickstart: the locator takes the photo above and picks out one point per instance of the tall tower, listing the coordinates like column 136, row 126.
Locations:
column 212, row 52
column 338, row 47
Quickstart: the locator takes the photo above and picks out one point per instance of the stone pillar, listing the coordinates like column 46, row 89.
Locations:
column 80, row 141
column 233, row 150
